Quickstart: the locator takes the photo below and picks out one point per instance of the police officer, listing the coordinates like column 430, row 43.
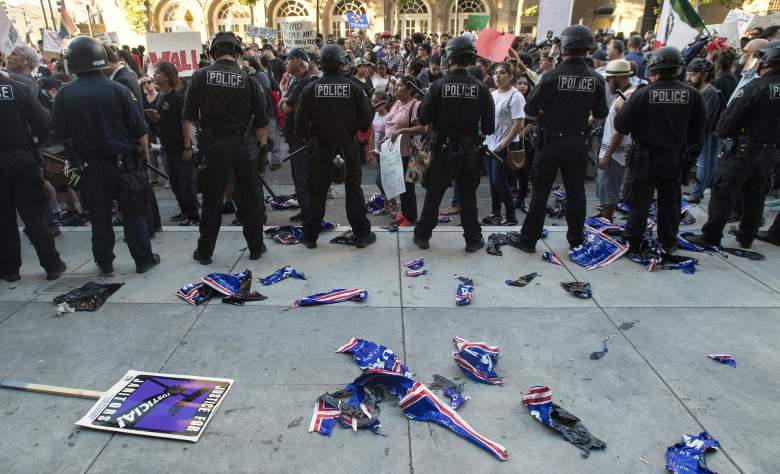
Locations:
column 330, row 113
column 21, row 187
column 106, row 131
column 229, row 105
column 457, row 107
column 751, row 127
column 562, row 104
column 666, row 122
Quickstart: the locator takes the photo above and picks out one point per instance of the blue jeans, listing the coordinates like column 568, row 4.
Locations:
column 499, row 186
column 705, row 165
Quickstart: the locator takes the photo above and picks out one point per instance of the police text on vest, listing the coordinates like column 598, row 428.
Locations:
column 6, row 92
column 669, row 96
column 576, row 84
column 466, row 91
column 331, row 90
column 226, row 79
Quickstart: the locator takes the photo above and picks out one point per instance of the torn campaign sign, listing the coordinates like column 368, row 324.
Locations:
column 415, row 399
column 598, row 250
column 281, row 274
column 538, row 400
column 688, row 457
column 370, row 355
column 453, row 391
column 477, row 360
column 724, row 359
column 465, row 291
column 339, row 295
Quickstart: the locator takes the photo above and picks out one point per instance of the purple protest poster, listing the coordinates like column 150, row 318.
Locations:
column 161, row 405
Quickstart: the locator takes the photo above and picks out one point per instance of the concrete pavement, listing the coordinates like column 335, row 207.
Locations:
column 653, row 386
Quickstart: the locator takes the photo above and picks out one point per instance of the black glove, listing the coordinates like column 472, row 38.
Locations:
column 262, row 156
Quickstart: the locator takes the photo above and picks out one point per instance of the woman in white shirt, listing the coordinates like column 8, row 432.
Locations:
column 382, row 80
column 509, row 105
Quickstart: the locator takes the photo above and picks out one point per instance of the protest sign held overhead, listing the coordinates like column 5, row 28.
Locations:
column 52, row 43
column 554, row 15
column 159, row 405
column 477, row 22
column 8, row 34
column 358, row 22
column 299, row 34
column 181, row 49
column 679, row 23
column 261, row 32
column 493, row 45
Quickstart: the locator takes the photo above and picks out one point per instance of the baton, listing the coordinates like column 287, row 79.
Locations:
column 491, row 153
column 622, row 96
column 289, row 157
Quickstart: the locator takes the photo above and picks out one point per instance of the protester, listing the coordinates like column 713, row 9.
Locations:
column 402, row 120
column 509, row 114
column 174, row 136
column 699, row 74
column 612, row 154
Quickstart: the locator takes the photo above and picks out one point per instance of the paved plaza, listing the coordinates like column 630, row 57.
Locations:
column 654, row 385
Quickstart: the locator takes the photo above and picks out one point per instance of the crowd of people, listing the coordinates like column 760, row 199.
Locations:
column 405, row 85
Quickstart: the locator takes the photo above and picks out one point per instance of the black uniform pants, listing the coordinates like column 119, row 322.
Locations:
column 544, row 173
column 223, row 155
column 640, row 198
column 21, row 188
column 748, row 179
column 409, row 196
column 465, row 169
column 104, row 182
column 300, row 171
column 320, row 162
column 182, row 178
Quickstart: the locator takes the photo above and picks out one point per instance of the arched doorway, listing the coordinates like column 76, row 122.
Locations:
column 176, row 16
column 339, row 26
column 460, row 13
column 233, row 16
column 414, row 17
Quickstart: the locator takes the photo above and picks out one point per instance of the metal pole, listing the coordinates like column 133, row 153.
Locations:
column 89, row 19
column 318, row 16
column 45, row 20
column 51, row 10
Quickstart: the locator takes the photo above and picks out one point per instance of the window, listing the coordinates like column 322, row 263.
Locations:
column 171, row 16
column 414, row 18
column 340, row 27
column 291, row 10
column 460, row 14
column 232, row 16
column 774, row 7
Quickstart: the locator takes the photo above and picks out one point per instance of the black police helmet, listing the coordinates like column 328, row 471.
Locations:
column 700, row 65
column 331, row 55
column 460, row 46
column 224, row 42
column 576, row 37
column 769, row 54
column 84, row 54
column 667, row 58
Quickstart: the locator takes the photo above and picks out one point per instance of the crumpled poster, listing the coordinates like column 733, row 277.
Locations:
column 522, row 281
column 652, row 255
column 283, row 202
column 370, row 355
column 724, row 359
column 353, row 407
column 465, row 291
column 558, row 207
column 375, row 203
column 281, row 274
column 580, row 289
column 236, row 289
column 538, row 400
column 477, row 360
column 452, row 391
column 688, row 457
column 285, row 234
column 416, row 400
column 339, row 295
column 89, row 297
column 598, row 250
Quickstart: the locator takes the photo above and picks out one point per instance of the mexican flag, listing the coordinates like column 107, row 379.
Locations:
column 680, row 23
column 67, row 26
